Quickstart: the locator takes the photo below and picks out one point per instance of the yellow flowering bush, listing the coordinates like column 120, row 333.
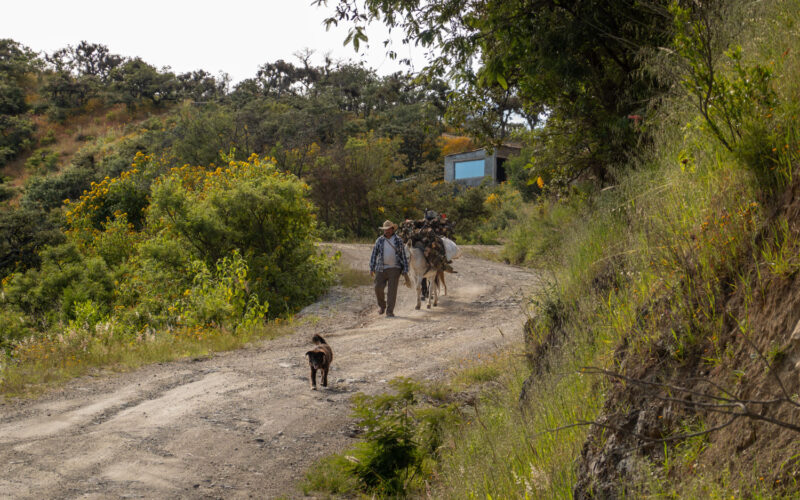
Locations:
column 127, row 193
column 255, row 209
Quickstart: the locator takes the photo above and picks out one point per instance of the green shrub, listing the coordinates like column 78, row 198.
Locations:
column 330, row 233
column 86, row 315
column 65, row 277
column 199, row 134
column 117, row 242
column 7, row 192
column 13, row 328
column 42, row 161
column 48, row 139
column 154, row 278
column 402, row 434
column 16, row 135
column 221, row 298
column 520, row 169
column 48, row 192
column 255, row 209
column 24, row 231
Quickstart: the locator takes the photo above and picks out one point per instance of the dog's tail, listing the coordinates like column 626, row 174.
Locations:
column 317, row 339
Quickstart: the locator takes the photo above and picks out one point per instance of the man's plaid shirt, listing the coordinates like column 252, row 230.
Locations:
column 376, row 260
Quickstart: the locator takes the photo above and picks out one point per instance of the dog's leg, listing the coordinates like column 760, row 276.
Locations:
column 313, row 379
column 325, row 377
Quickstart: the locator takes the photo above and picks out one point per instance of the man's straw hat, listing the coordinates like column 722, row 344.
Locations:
column 388, row 224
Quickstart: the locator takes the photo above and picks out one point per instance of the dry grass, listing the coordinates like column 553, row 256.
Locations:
column 71, row 135
column 487, row 252
column 46, row 362
column 351, row 278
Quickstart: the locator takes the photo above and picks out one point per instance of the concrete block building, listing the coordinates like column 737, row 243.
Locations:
column 472, row 167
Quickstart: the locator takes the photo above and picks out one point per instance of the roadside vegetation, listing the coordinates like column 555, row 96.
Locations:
column 660, row 362
column 163, row 261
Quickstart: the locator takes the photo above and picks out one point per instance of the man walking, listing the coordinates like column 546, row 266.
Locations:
column 387, row 263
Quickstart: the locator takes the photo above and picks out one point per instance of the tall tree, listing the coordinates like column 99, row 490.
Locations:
column 135, row 80
column 579, row 59
column 17, row 63
column 87, row 59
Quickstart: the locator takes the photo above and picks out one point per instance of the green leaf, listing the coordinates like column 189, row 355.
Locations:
column 502, row 81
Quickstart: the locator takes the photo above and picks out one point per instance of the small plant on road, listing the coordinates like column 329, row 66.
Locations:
column 402, row 435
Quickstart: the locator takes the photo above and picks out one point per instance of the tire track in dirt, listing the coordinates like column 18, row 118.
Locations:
column 244, row 424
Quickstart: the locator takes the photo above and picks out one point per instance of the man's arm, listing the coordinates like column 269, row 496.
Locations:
column 373, row 259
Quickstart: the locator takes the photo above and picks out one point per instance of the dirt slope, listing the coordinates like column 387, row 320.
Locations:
column 244, row 423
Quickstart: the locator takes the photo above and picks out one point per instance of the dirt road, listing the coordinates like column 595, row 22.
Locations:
column 244, row 424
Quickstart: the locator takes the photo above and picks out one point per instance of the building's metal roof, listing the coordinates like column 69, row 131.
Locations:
column 509, row 146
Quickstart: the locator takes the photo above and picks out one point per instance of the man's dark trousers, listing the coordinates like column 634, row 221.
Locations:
column 392, row 277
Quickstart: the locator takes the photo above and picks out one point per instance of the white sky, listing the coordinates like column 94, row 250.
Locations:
column 234, row 36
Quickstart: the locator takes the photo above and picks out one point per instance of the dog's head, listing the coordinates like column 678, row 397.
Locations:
column 316, row 359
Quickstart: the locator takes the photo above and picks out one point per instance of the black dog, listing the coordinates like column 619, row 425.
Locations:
column 319, row 358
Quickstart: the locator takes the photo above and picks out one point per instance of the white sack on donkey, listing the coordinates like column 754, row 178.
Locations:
column 451, row 250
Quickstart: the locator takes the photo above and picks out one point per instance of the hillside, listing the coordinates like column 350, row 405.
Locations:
column 655, row 200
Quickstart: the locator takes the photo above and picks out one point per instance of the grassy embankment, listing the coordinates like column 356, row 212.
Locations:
column 648, row 279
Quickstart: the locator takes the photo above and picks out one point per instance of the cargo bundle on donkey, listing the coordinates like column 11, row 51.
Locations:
column 428, row 247
column 426, row 234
